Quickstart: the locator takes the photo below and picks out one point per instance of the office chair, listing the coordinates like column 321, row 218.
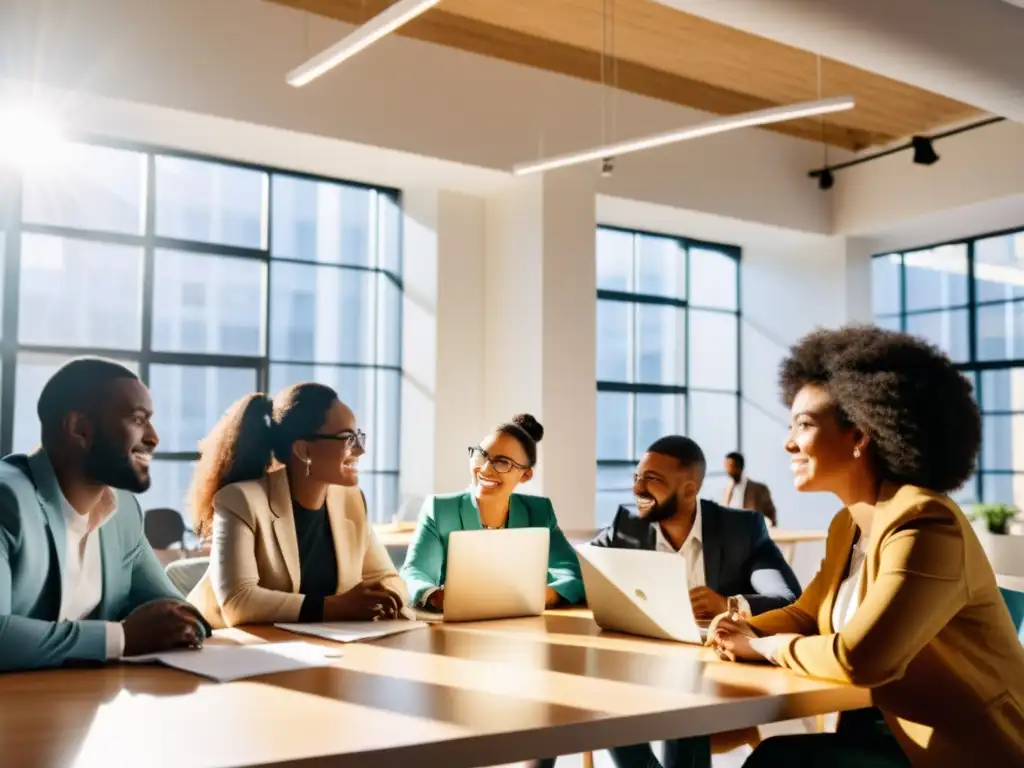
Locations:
column 1015, row 602
column 164, row 527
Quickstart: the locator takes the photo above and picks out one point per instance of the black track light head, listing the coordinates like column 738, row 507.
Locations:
column 924, row 152
column 826, row 180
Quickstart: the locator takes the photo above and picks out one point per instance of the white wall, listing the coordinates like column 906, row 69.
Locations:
column 462, row 338
column 443, row 334
column 569, row 338
column 513, row 311
column 228, row 58
column 421, row 258
column 955, row 224
column 86, row 114
column 975, row 170
column 788, row 291
column 540, row 351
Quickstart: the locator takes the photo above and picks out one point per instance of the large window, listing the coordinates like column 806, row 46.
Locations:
column 968, row 299
column 211, row 279
column 667, row 352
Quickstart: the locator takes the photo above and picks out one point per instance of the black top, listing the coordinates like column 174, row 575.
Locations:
column 740, row 557
column 318, row 564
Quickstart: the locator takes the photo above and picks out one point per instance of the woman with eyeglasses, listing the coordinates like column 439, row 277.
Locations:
column 277, row 488
column 503, row 460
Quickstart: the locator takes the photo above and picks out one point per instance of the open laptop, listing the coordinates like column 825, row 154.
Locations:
column 640, row 592
column 496, row 574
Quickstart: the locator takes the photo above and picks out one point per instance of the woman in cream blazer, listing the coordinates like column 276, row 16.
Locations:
column 905, row 602
column 291, row 542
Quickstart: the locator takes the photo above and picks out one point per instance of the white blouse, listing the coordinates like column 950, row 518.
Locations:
column 848, row 596
column 847, row 600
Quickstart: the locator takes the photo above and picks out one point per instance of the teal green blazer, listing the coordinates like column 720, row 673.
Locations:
column 427, row 559
column 33, row 544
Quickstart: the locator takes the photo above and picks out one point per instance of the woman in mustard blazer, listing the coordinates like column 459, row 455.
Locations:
column 277, row 488
column 502, row 461
column 906, row 602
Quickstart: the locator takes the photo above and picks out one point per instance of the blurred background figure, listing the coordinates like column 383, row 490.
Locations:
column 744, row 493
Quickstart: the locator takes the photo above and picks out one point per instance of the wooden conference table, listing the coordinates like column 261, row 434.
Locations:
column 449, row 695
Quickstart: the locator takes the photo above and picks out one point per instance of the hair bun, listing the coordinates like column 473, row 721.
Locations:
column 529, row 425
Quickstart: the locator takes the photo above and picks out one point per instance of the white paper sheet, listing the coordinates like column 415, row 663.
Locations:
column 429, row 617
column 353, row 631
column 224, row 663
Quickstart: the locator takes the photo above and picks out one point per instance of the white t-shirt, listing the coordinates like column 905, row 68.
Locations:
column 82, row 590
column 692, row 550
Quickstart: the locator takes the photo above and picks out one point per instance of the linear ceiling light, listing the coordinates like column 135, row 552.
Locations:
column 381, row 25
column 709, row 128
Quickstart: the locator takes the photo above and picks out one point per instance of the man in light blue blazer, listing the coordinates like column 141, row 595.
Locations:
column 78, row 580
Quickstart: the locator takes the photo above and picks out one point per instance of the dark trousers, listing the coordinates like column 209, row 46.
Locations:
column 862, row 740
column 694, row 752
column 679, row 753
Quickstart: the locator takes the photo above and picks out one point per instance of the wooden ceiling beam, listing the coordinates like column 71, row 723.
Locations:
column 448, row 29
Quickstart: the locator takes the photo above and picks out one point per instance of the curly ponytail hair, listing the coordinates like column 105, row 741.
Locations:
column 250, row 435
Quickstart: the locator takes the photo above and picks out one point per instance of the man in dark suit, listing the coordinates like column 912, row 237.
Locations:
column 744, row 493
column 728, row 553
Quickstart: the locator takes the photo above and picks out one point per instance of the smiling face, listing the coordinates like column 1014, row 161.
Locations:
column 118, row 439
column 335, row 448
column 821, row 445
column 662, row 487
column 498, row 465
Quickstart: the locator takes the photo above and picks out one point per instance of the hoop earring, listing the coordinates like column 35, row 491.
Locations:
column 309, row 462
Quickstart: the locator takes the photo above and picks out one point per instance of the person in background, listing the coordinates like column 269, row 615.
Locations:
column 78, row 580
column 728, row 553
column 905, row 602
column 277, row 486
column 498, row 465
column 744, row 493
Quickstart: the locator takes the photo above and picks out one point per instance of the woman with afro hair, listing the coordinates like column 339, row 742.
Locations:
column 905, row 602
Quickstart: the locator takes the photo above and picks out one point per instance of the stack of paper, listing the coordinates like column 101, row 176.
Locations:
column 353, row 631
column 225, row 663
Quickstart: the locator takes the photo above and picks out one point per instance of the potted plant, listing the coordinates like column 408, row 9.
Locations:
column 997, row 517
column 1005, row 552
